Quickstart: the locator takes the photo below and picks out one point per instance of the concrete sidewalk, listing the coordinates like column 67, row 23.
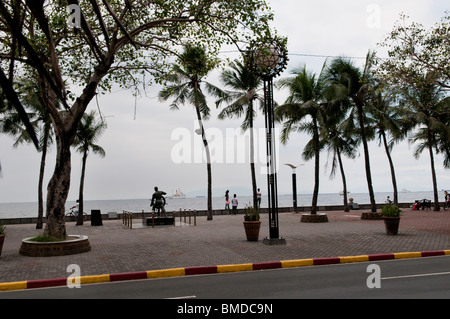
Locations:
column 116, row 249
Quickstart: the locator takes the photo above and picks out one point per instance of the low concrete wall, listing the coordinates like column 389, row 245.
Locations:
column 118, row 215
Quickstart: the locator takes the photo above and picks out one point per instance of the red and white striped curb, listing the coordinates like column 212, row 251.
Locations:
column 202, row 270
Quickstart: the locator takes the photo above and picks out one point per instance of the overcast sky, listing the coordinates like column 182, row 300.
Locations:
column 143, row 144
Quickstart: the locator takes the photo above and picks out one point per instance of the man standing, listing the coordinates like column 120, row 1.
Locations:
column 234, row 203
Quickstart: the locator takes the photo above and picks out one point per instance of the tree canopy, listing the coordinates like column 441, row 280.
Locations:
column 77, row 49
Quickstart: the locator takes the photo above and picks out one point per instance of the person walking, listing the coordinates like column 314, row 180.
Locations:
column 234, row 204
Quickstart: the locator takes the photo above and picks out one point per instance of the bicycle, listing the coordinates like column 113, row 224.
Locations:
column 447, row 205
column 73, row 215
column 422, row 204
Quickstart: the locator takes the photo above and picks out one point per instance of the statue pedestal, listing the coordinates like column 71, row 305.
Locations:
column 158, row 221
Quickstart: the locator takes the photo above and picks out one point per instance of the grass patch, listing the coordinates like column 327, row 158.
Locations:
column 45, row 239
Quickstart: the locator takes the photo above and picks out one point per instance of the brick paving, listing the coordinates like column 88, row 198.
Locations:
column 118, row 249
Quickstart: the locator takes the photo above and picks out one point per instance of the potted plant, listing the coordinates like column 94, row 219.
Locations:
column 391, row 216
column 251, row 223
column 2, row 236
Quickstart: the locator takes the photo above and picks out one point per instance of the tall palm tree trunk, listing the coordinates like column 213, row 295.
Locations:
column 433, row 171
column 344, row 181
column 366, row 158
column 316, row 167
column 391, row 165
column 252, row 159
column 208, row 163
column 80, row 195
column 41, row 177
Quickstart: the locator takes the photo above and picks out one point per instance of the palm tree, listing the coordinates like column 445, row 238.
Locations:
column 387, row 120
column 304, row 102
column 185, row 80
column 339, row 139
column 352, row 85
column 88, row 132
column 39, row 119
column 244, row 84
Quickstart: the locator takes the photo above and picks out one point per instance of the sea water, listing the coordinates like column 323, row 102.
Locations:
column 30, row 209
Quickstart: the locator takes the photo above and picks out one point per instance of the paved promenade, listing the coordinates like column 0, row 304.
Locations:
column 117, row 249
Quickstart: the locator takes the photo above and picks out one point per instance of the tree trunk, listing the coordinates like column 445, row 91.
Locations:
column 39, row 223
column 252, row 159
column 433, row 171
column 58, row 188
column 208, row 164
column 344, row 182
column 65, row 132
column 391, row 165
column 316, row 168
column 373, row 205
column 80, row 195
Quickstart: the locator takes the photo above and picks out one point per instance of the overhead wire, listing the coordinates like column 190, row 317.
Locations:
column 309, row 55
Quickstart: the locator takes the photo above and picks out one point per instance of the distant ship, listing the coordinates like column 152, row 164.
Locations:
column 178, row 194
column 342, row 193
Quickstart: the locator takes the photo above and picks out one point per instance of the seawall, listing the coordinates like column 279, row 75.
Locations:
column 118, row 215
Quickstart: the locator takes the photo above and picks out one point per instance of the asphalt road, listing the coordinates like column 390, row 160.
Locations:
column 420, row 278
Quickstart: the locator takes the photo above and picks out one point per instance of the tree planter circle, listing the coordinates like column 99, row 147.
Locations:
column 391, row 225
column 314, row 218
column 252, row 230
column 75, row 244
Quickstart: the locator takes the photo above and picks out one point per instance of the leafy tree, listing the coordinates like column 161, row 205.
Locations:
column 418, row 69
column 415, row 54
column 117, row 43
column 244, row 85
column 89, row 131
column 413, row 49
column 424, row 104
column 186, row 79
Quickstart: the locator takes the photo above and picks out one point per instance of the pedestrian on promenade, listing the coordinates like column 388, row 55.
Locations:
column 227, row 200
column 258, row 197
column 234, row 204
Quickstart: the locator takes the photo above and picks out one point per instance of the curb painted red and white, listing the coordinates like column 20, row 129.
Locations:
column 203, row 270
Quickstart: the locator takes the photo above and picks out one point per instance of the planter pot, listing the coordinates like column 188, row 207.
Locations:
column 391, row 224
column 2, row 239
column 252, row 230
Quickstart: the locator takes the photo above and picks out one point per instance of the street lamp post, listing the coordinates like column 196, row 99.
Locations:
column 294, row 185
column 268, row 59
